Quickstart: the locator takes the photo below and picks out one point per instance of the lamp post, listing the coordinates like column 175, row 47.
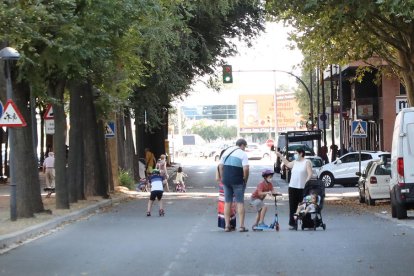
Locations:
column 9, row 54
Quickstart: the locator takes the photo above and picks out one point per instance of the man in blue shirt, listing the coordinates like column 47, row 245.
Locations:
column 234, row 172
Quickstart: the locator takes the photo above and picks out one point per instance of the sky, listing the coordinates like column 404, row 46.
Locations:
column 270, row 51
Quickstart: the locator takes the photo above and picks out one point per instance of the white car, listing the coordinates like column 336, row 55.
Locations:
column 317, row 163
column 342, row 170
column 377, row 181
column 256, row 151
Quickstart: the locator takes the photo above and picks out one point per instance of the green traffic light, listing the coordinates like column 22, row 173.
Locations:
column 227, row 74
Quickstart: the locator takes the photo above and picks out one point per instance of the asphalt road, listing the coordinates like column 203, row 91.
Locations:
column 123, row 241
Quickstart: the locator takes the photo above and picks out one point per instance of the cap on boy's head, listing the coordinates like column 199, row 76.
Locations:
column 241, row 142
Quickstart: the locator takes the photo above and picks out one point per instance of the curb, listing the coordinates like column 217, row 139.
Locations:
column 14, row 239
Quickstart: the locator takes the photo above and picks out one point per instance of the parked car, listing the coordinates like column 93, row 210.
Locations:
column 361, row 181
column 376, row 179
column 317, row 164
column 343, row 170
column 402, row 164
column 256, row 151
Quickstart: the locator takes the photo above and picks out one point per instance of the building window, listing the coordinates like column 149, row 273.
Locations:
column 402, row 90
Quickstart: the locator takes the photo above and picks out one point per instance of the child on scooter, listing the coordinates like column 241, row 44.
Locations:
column 263, row 189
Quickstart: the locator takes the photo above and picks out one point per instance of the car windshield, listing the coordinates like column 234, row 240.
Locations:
column 294, row 147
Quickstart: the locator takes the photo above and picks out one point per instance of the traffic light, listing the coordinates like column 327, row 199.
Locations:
column 227, row 74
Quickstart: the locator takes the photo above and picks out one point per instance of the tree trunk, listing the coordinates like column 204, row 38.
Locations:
column 94, row 180
column 120, row 139
column 103, row 184
column 129, row 145
column 29, row 200
column 112, row 159
column 75, row 158
column 56, row 90
column 407, row 74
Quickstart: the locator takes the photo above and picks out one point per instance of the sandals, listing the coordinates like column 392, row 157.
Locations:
column 148, row 214
column 243, row 229
column 227, row 229
column 161, row 212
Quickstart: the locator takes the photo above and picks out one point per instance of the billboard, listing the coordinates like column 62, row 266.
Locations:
column 257, row 113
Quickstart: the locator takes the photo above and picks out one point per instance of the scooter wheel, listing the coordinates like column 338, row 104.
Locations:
column 277, row 227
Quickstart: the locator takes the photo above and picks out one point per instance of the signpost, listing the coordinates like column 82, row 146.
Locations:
column 49, row 120
column 359, row 130
column 110, row 129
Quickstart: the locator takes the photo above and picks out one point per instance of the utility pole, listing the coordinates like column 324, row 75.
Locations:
column 332, row 116
column 323, row 108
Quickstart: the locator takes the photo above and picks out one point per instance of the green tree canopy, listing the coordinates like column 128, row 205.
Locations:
column 341, row 31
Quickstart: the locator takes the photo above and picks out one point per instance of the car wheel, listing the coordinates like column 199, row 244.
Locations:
column 276, row 168
column 400, row 210
column 368, row 199
column 361, row 197
column 283, row 174
column 393, row 208
column 328, row 180
column 266, row 155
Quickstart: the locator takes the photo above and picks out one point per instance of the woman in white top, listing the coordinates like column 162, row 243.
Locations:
column 301, row 173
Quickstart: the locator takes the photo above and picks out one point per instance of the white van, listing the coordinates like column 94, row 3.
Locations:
column 402, row 164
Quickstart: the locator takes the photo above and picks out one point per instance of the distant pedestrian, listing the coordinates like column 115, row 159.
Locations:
column 179, row 180
column 350, row 148
column 162, row 167
column 234, row 172
column 324, row 154
column 149, row 162
column 49, row 170
column 301, row 173
column 156, row 192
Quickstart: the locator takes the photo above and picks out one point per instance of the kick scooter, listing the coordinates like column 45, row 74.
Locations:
column 275, row 224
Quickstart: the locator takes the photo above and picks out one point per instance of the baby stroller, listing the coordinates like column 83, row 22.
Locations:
column 313, row 219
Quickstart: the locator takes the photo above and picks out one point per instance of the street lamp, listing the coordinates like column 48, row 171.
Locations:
column 9, row 54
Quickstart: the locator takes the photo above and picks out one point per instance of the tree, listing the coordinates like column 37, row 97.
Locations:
column 341, row 31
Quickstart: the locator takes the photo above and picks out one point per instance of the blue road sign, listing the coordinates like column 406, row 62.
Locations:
column 359, row 129
column 1, row 108
column 110, row 130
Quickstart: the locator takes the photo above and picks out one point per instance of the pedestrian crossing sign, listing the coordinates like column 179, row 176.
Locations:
column 110, row 130
column 11, row 116
column 359, row 129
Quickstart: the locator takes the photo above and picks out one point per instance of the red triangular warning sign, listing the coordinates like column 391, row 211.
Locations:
column 49, row 112
column 11, row 116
